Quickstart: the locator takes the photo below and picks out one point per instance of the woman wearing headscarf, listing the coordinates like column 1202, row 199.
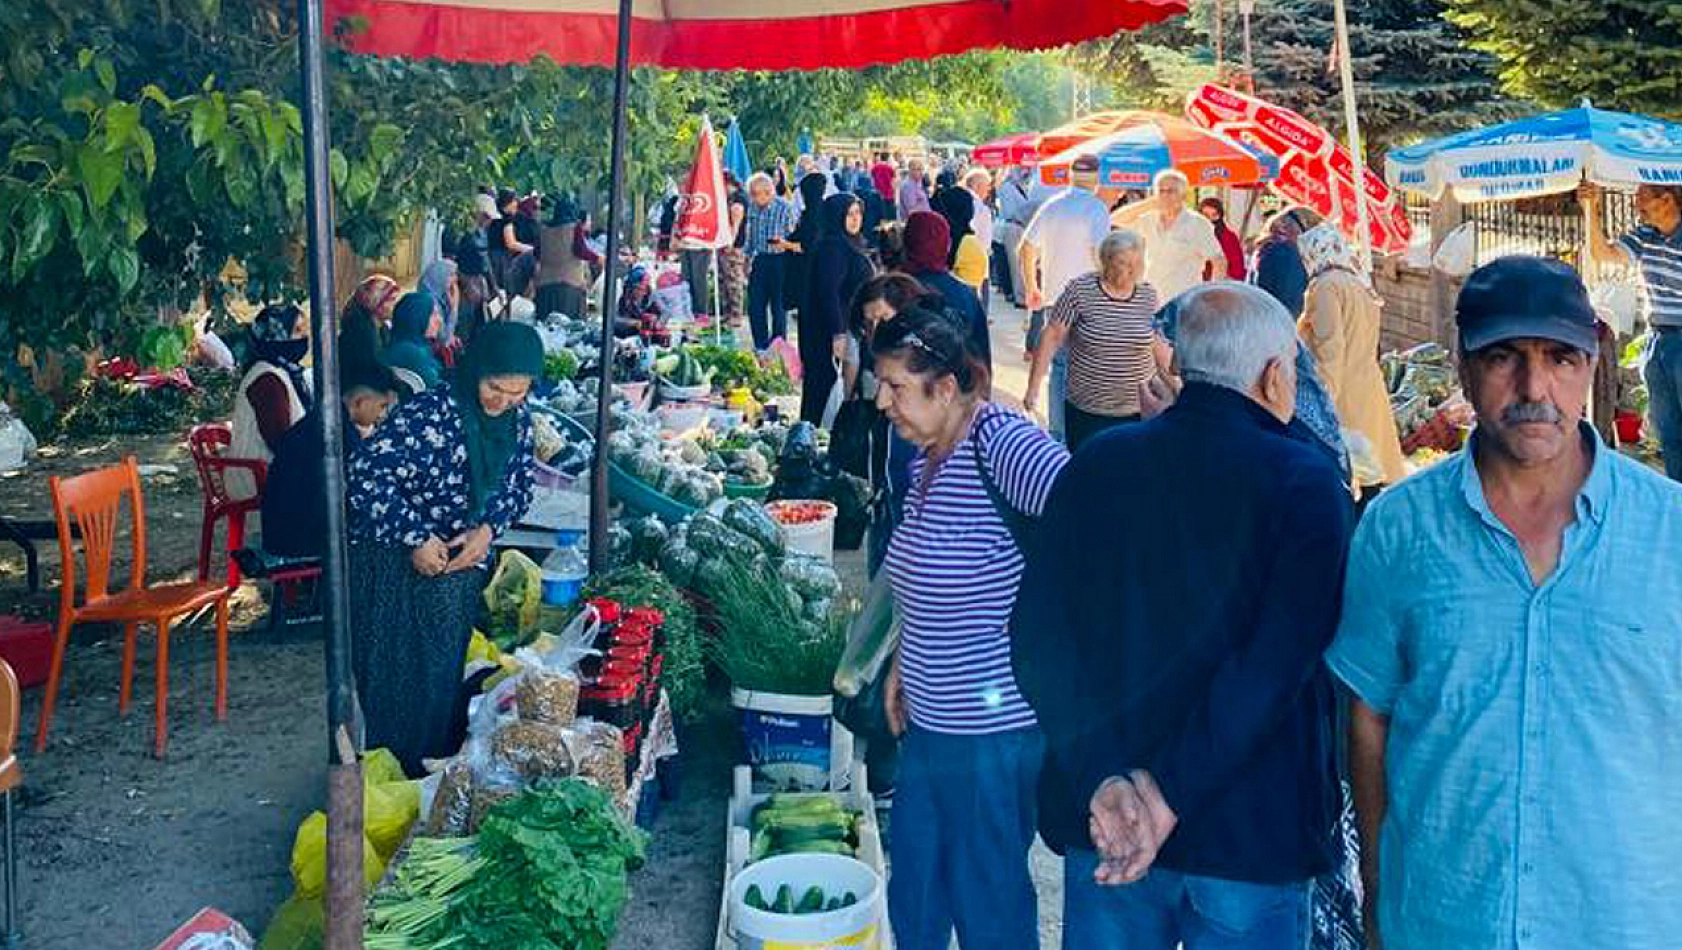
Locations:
column 1215, row 210
column 883, row 175
column 438, row 281
column 928, row 255
column 443, row 476
column 1340, row 325
column 966, row 258
column 1279, row 269
column 362, row 326
column 875, row 211
column 797, row 262
column 838, row 267
column 416, row 324
column 274, row 393
column 564, row 261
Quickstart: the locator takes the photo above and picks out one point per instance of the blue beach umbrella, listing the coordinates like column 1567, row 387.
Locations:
column 1542, row 155
column 736, row 153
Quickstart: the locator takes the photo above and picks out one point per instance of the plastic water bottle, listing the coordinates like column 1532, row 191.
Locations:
column 564, row 573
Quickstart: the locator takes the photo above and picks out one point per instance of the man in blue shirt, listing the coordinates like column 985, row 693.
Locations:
column 1181, row 589
column 1512, row 630
column 1655, row 249
column 768, row 221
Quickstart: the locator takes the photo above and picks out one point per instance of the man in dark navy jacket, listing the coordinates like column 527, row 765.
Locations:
column 1184, row 583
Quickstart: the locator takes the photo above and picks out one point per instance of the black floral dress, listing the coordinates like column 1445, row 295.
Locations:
column 408, row 483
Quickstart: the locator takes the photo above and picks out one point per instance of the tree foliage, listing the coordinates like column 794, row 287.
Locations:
column 147, row 144
column 1620, row 54
column 1416, row 74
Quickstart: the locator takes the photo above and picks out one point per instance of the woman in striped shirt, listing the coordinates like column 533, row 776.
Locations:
column 1106, row 317
column 970, row 751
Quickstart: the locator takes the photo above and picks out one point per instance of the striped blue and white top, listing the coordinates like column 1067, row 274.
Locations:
column 955, row 570
column 1660, row 260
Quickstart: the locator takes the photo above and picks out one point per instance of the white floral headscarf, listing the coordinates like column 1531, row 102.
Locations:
column 1323, row 247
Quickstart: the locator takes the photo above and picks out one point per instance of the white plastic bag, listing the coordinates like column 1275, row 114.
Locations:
column 1458, row 253
column 17, row 443
column 1619, row 303
column 837, row 396
column 674, row 304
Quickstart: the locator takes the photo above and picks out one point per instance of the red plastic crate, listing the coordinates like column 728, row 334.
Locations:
column 27, row 647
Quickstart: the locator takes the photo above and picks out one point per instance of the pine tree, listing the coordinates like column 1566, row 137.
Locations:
column 1620, row 54
column 1416, row 74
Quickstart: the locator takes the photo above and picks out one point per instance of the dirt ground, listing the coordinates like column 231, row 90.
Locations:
column 117, row 847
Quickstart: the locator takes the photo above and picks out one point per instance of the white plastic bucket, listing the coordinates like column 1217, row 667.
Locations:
column 858, row 927
column 792, row 741
column 816, row 538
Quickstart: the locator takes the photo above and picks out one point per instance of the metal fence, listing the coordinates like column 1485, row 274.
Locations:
column 1550, row 226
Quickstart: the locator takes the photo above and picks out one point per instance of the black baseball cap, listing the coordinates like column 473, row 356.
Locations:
column 1523, row 296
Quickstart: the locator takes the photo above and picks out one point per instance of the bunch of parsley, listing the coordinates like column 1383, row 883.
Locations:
column 556, row 862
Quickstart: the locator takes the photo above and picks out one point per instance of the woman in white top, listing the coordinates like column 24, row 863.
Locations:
column 273, row 395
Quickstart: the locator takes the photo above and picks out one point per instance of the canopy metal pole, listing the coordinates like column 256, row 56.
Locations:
column 344, row 902
column 610, row 292
column 1346, row 69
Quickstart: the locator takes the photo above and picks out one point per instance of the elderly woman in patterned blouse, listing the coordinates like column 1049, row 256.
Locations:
column 447, row 472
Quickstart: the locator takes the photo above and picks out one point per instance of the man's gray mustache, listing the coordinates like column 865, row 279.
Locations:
column 1525, row 412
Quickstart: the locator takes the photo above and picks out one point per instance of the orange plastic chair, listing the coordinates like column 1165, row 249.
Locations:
column 209, row 445
column 11, row 776
column 94, row 500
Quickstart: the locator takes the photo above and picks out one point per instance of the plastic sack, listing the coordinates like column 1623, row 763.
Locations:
column 837, row 396
column 546, row 690
column 17, row 443
column 871, row 639
column 1619, row 304
column 790, row 355
column 380, row 766
column 1458, row 253
column 309, row 857
column 514, row 598
column 1363, row 459
column 297, row 924
column 674, row 304
column 480, row 649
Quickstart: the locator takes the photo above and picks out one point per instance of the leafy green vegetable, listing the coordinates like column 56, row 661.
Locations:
column 560, row 365
column 764, row 643
column 549, row 874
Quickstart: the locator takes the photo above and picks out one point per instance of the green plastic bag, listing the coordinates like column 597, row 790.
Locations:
column 514, row 599
column 297, row 924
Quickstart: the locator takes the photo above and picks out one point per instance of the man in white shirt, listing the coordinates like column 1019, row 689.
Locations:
column 1060, row 244
column 1178, row 242
column 979, row 182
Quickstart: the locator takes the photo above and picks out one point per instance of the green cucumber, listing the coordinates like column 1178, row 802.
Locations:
column 784, row 904
column 755, row 898
column 812, row 902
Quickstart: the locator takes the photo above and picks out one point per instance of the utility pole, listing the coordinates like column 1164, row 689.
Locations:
column 1080, row 94
column 1346, row 70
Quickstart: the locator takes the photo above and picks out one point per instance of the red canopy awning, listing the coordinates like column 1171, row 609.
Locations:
column 731, row 34
column 1022, row 148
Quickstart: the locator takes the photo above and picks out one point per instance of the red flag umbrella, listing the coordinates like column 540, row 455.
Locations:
column 733, row 34
column 1088, row 127
column 1022, row 148
column 1315, row 170
column 703, row 221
